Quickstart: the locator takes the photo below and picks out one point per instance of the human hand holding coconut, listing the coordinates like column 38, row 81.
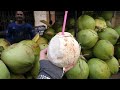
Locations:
column 48, row 70
column 60, row 56
column 43, row 56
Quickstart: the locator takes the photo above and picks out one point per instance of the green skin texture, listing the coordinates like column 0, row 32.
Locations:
column 4, row 72
column 4, row 43
column 100, row 23
column 117, row 51
column 117, row 29
column 107, row 15
column 35, row 70
column 36, row 49
column 43, row 46
column 113, row 65
column 32, row 45
column 19, row 58
column 72, row 31
column 79, row 71
column 101, row 18
column 86, row 22
column 71, row 23
column 28, row 75
column 88, row 54
column 98, row 69
column 109, row 34
column 57, row 24
column 108, row 23
column 60, row 29
column 87, row 38
column 103, row 50
column 42, row 40
column 49, row 33
column 17, row 76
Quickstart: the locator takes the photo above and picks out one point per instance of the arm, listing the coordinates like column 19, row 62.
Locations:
column 50, row 71
column 47, row 69
column 32, row 32
column 8, row 34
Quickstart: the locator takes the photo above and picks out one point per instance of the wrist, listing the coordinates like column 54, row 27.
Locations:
column 42, row 56
column 52, row 70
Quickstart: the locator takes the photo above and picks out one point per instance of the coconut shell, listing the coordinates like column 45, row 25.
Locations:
column 63, row 50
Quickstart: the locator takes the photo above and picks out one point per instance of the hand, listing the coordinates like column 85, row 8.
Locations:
column 43, row 54
column 67, row 68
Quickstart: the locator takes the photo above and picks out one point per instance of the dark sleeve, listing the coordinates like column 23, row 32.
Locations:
column 49, row 70
column 31, row 30
column 8, row 35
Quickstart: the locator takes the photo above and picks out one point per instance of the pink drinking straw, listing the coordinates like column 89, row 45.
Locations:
column 64, row 23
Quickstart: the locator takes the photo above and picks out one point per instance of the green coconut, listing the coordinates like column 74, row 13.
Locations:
column 98, row 69
column 100, row 24
column 107, row 15
column 103, row 50
column 79, row 71
column 49, row 33
column 4, row 43
column 86, row 22
column 35, row 70
column 4, row 71
column 87, row 53
column 87, row 38
column 32, row 45
column 113, row 65
column 117, row 29
column 72, row 31
column 109, row 34
column 19, row 58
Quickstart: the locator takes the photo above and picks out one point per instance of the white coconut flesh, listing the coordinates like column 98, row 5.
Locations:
column 63, row 50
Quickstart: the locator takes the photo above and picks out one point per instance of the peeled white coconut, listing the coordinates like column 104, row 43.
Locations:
column 63, row 50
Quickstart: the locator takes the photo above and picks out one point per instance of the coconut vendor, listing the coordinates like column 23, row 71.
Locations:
column 48, row 70
column 19, row 30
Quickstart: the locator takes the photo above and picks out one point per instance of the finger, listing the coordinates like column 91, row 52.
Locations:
column 44, row 49
column 69, row 67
